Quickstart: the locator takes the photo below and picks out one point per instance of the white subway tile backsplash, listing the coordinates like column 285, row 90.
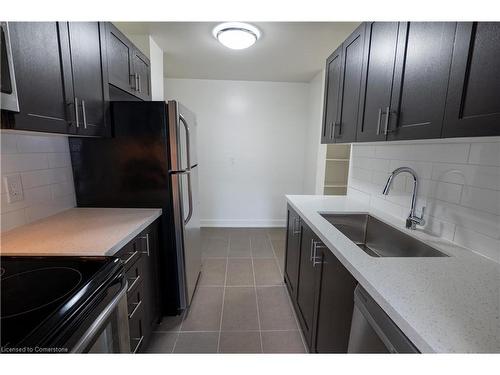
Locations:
column 44, row 163
column 446, row 152
column 59, row 159
column 13, row 219
column 23, row 162
column 481, row 199
column 485, row 153
column 9, row 143
column 465, row 174
column 459, row 183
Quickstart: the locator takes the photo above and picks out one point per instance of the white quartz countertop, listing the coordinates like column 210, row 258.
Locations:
column 446, row 304
column 79, row 231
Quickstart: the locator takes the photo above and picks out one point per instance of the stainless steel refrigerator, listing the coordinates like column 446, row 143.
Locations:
column 150, row 161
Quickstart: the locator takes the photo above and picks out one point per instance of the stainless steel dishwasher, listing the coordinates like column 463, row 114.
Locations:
column 372, row 331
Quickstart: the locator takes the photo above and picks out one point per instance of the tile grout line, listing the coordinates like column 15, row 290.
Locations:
column 224, row 292
column 276, row 260
column 256, row 298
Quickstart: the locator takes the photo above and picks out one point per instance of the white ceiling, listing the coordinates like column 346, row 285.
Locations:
column 286, row 51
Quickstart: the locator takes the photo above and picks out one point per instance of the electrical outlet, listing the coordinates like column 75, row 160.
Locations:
column 14, row 188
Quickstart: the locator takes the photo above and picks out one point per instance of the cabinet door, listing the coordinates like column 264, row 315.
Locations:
column 148, row 244
column 351, row 72
column 421, row 76
column 335, row 302
column 332, row 95
column 306, row 284
column 40, row 53
column 119, row 56
column 292, row 254
column 473, row 104
column 380, row 53
column 85, row 42
column 142, row 70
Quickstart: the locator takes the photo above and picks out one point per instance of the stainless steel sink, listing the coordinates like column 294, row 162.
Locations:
column 379, row 239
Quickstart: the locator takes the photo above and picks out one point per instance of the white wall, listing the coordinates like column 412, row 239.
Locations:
column 156, row 59
column 44, row 163
column 250, row 146
column 460, row 186
column 315, row 152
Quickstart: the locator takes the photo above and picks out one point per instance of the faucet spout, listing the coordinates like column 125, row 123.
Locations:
column 412, row 219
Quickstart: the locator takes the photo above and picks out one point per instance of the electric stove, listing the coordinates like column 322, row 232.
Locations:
column 49, row 303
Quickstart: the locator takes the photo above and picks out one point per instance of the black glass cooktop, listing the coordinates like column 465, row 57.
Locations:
column 39, row 293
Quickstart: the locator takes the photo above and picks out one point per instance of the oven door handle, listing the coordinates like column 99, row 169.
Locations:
column 88, row 336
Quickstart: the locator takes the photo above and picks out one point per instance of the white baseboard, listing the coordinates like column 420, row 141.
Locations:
column 244, row 223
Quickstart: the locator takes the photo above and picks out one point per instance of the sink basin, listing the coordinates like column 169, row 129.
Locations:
column 379, row 239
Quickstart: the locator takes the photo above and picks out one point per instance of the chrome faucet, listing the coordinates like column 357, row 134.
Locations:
column 412, row 220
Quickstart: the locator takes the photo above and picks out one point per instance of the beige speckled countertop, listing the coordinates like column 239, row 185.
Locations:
column 79, row 231
column 442, row 305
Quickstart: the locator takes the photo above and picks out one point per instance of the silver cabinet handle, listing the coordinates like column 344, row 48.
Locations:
column 84, row 115
column 137, row 305
column 331, row 130
column 136, row 280
column 312, row 249
column 188, row 168
column 146, row 237
column 139, row 82
column 131, row 256
column 139, row 342
column 379, row 120
column 316, row 245
column 386, row 125
column 77, row 117
column 296, row 226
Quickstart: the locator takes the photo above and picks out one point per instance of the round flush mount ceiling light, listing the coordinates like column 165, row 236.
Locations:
column 236, row 35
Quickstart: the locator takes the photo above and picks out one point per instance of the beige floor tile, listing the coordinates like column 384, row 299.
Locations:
column 239, row 247
column 240, row 309
column 197, row 342
column 215, row 248
column 205, row 311
column 261, row 247
column 277, row 233
column 279, row 251
column 239, row 272
column 162, row 342
column 213, row 272
column 170, row 324
column 282, row 342
column 211, row 232
column 275, row 311
column 239, row 342
column 267, row 272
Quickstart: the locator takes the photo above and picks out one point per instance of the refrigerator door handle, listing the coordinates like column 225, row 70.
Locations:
column 188, row 142
column 188, row 168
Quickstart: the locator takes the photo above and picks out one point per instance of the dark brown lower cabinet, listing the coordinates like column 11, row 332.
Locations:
column 324, row 298
column 335, row 302
column 140, row 257
column 292, row 257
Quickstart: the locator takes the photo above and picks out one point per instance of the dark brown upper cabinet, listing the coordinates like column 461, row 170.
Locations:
column 128, row 68
column 333, row 74
column 342, row 89
column 421, row 73
column 379, row 58
column 142, row 71
column 88, row 102
column 473, row 104
column 41, row 59
column 350, row 86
